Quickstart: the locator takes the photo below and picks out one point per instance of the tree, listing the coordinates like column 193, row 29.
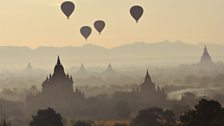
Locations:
column 120, row 124
column 122, row 109
column 47, row 117
column 154, row 117
column 205, row 113
column 4, row 123
column 99, row 123
column 82, row 123
column 179, row 109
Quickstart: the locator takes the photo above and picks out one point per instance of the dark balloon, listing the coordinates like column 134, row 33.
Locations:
column 86, row 31
column 67, row 8
column 99, row 25
column 136, row 12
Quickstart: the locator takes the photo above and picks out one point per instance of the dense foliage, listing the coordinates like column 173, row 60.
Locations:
column 206, row 113
column 47, row 117
column 154, row 117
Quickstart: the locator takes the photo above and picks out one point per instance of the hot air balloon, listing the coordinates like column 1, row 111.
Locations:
column 67, row 8
column 136, row 12
column 86, row 31
column 99, row 25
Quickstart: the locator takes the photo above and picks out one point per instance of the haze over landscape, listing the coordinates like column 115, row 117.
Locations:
column 111, row 63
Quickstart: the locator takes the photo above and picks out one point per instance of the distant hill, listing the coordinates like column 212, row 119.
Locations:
column 140, row 53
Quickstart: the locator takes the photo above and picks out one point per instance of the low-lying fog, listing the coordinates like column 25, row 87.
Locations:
column 176, row 80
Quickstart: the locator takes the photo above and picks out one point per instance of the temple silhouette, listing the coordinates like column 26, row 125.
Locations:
column 57, row 91
column 59, row 84
column 29, row 67
column 110, row 71
column 146, row 94
column 149, row 92
column 82, row 70
column 206, row 58
column 149, row 88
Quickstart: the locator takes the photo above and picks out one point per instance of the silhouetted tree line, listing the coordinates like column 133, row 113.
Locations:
column 205, row 113
column 4, row 123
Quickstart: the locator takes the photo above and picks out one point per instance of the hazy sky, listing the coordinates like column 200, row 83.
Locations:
column 41, row 23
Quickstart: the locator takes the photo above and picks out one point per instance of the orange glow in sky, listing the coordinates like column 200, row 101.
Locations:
column 41, row 23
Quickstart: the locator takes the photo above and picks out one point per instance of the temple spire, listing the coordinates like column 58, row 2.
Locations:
column 82, row 67
column 109, row 67
column 147, row 77
column 59, row 61
column 205, row 49
column 29, row 66
column 206, row 58
column 59, row 69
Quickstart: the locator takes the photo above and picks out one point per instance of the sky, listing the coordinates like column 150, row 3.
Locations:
column 37, row 23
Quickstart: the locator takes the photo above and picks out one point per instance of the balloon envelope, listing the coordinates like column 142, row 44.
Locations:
column 67, row 8
column 99, row 25
column 86, row 31
column 136, row 12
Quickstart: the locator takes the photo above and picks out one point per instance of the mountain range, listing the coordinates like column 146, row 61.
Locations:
column 139, row 53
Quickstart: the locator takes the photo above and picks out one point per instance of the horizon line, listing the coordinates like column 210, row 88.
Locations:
column 132, row 43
